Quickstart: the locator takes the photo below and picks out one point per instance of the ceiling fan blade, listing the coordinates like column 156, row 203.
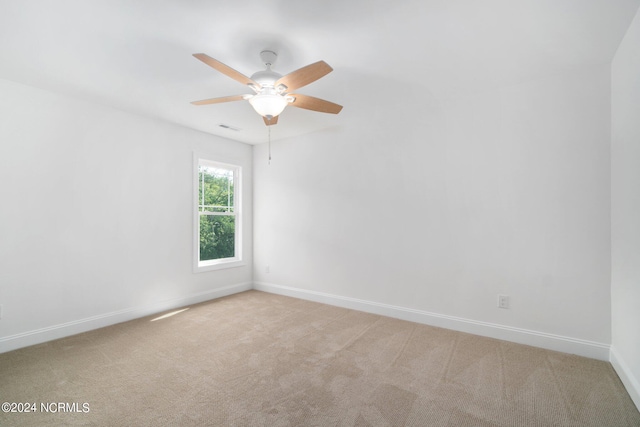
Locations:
column 316, row 104
column 225, row 69
column 219, row 100
column 304, row 76
column 274, row 121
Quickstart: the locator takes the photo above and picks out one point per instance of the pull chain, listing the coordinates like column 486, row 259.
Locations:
column 269, row 139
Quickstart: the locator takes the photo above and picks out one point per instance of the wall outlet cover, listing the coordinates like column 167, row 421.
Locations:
column 503, row 301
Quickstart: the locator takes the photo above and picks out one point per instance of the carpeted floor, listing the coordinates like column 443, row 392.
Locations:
column 257, row 359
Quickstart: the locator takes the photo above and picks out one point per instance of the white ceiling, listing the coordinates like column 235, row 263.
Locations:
column 136, row 54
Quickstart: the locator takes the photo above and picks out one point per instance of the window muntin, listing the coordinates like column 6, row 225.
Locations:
column 218, row 215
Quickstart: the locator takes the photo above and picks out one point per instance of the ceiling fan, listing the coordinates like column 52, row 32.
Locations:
column 273, row 91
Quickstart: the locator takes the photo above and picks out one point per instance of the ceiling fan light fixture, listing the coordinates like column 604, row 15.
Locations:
column 268, row 104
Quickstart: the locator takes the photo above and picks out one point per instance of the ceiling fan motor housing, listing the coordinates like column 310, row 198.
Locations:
column 266, row 78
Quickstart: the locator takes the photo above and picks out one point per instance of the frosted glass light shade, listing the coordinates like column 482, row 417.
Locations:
column 268, row 104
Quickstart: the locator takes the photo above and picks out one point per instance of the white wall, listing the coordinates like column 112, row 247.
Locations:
column 625, row 210
column 96, row 215
column 430, row 209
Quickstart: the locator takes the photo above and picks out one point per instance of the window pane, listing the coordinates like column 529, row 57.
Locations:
column 217, row 236
column 215, row 193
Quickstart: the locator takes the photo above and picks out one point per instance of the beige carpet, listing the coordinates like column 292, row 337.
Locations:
column 257, row 359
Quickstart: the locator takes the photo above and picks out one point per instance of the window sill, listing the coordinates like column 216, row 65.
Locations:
column 219, row 265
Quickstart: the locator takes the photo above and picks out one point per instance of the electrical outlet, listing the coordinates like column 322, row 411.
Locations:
column 503, row 301
column 267, row 269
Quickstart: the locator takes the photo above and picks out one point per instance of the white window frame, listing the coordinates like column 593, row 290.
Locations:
column 221, row 263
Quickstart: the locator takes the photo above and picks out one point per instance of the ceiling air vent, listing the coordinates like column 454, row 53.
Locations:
column 222, row 125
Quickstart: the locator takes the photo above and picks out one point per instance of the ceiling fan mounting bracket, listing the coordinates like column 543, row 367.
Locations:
column 268, row 57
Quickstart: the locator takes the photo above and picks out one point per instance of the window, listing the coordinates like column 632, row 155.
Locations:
column 218, row 221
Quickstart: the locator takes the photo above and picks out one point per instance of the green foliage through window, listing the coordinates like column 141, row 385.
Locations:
column 217, row 237
column 216, row 213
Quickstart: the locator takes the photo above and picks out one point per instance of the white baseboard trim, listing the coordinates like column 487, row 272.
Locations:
column 62, row 330
column 631, row 383
column 594, row 350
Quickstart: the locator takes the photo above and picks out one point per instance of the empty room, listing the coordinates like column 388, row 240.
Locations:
column 320, row 213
